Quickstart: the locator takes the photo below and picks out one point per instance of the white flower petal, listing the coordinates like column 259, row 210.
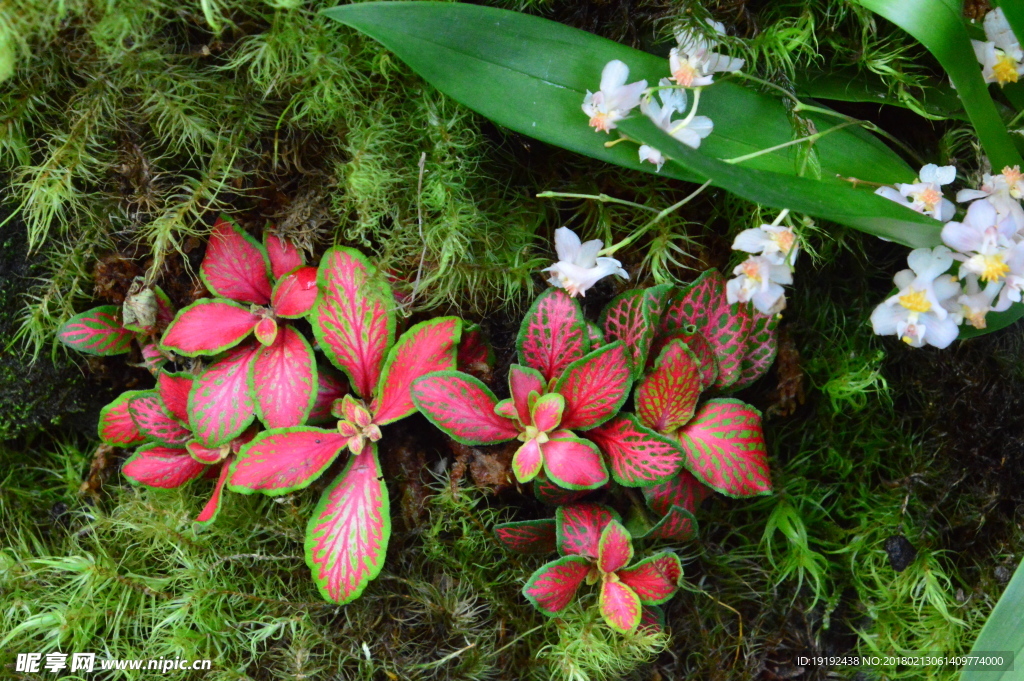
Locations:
column 941, row 332
column 567, row 244
column 614, row 75
column 753, row 240
column 885, row 318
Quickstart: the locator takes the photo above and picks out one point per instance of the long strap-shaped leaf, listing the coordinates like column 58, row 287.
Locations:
column 860, row 209
column 530, row 74
column 1003, row 632
column 937, row 25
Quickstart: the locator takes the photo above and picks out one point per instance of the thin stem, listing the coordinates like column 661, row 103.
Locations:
column 781, row 216
column 655, row 220
column 766, row 83
column 603, row 198
column 419, row 222
column 689, row 117
column 809, row 138
column 609, row 145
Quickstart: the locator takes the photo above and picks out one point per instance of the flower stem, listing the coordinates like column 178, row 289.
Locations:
column 655, row 220
column 603, row 198
column 809, row 138
column 689, row 117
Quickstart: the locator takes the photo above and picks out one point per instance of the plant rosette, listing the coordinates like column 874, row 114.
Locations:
column 257, row 287
column 566, row 383
column 353, row 319
column 168, row 455
column 596, row 548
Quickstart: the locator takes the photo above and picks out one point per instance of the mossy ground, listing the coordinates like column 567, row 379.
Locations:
column 129, row 123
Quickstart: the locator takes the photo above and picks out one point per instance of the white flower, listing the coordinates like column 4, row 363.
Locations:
column 976, row 302
column 615, row 99
column 1003, row 191
column 578, row 267
column 925, row 195
column 984, row 241
column 778, row 244
column 1001, row 55
column 692, row 63
column 759, row 282
column 923, row 311
column 689, row 130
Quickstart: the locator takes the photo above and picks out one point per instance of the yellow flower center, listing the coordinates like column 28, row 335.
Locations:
column 1012, row 175
column 974, row 318
column 601, row 122
column 685, row 74
column 993, row 268
column 1005, row 69
column 784, row 239
column 752, row 271
column 915, row 301
column 929, row 197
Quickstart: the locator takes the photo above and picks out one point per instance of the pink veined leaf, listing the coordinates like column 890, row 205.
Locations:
column 235, row 265
column 579, row 528
column 156, row 422
column 652, row 619
column 655, row 579
column 620, row 606
column 174, row 389
column 164, row 309
column 295, row 293
column 463, row 407
column 760, row 348
column 329, row 388
column 594, row 387
column 209, row 326
column 425, row 348
column 116, row 426
column 683, row 490
column 283, row 379
column 221, row 405
column 551, row 494
column 666, row 398
column 353, row 319
column 97, row 332
column 553, row 585
column 678, row 524
column 614, row 548
column 630, row 319
column 282, row 254
column 527, row 461
column 595, row 335
column 474, row 351
column 206, row 455
column 347, row 536
column 521, row 382
column 637, row 456
column 700, row 349
column 704, row 305
column 153, row 360
column 212, row 508
column 553, row 334
column 573, row 463
column 162, row 466
column 725, row 448
column 527, row 536
column 547, row 411
column 284, row 460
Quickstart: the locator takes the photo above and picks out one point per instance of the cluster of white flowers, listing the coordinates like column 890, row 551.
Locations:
column 925, row 195
column 988, row 244
column 692, row 64
column 760, row 277
column 1001, row 57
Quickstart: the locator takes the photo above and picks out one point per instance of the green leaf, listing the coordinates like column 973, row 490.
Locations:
column 937, row 25
column 530, row 74
column 851, row 85
column 1003, row 632
column 858, row 208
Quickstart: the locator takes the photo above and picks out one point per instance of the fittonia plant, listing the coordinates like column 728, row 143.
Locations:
column 676, row 344
column 169, row 455
column 354, row 323
column 273, row 375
